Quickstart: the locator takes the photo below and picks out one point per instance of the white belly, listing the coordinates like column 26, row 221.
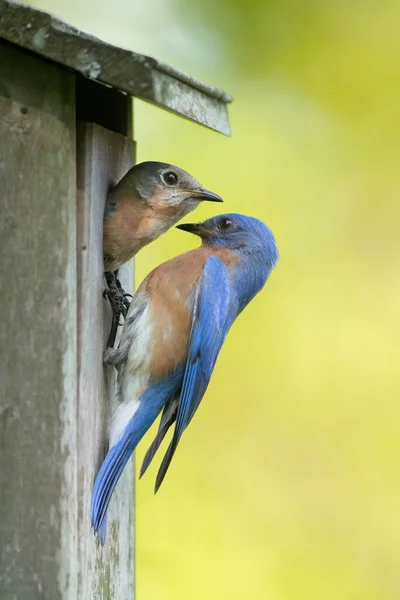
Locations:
column 134, row 375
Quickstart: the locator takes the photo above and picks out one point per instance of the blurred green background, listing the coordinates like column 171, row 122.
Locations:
column 287, row 483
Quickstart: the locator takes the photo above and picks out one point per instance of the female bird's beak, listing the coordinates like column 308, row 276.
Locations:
column 203, row 194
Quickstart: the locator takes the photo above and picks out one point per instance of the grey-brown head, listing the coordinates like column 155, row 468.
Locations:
column 163, row 187
column 148, row 200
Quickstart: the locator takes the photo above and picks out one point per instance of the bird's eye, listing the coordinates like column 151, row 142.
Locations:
column 170, row 178
column 225, row 224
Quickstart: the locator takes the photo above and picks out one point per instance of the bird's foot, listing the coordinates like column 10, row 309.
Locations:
column 119, row 304
column 124, row 296
column 117, row 297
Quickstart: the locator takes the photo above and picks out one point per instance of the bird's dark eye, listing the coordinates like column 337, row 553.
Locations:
column 170, row 178
column 225, row 224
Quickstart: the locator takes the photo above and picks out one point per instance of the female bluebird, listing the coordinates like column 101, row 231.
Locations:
column 174, row 330
column 148, row 200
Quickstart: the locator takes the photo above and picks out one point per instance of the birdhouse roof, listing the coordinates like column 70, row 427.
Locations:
column 132, row 73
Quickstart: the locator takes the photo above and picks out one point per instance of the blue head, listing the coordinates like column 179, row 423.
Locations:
column 247, row 235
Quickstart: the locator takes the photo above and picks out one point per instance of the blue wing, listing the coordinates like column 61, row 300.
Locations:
column 210, row 325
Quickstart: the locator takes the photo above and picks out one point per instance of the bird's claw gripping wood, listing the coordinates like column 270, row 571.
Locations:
column 123, row 297
column 116, row 295
column 119, row 304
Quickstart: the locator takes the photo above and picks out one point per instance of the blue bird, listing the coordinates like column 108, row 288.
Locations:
column 174, row 330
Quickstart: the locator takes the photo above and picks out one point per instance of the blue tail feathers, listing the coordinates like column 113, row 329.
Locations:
column 106, row 480
column 151, row 403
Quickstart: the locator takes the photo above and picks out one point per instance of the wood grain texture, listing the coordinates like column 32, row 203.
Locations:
column 38, row 403
column 103, row 158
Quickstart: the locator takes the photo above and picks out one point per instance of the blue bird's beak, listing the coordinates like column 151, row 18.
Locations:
column 195, row 228
column 203, row 194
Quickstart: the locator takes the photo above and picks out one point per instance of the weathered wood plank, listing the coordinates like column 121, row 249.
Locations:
column 38, row 405
column 133, row 73
column 105, row 573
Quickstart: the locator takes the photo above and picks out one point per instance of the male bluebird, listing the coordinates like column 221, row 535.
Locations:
column 148, row 200
column 174, row 330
